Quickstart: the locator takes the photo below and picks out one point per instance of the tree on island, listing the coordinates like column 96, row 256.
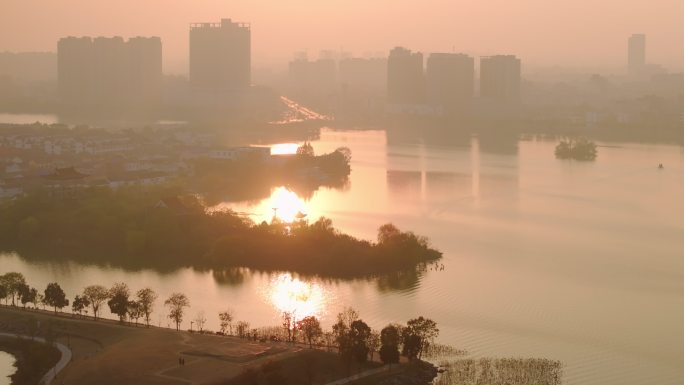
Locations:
column 226, row 321
column 311, row 329
column 577, row 149
column 96, row 295
column 146, row 299
column 177, row 303
column 390, row 338
column 118, row 300
column 305, row 150
column 55, row 297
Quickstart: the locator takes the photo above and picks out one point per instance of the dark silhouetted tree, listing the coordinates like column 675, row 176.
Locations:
column 55, row 297
column 418, row 335
column 390, row 338
column 359, row 334
column 118, row 300
column 12, row 282
column 80, row 304
column 311, row 329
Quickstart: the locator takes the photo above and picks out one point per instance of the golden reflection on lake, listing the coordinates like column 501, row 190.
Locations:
column 290, row 294
column 285, row 204
column 284, row 149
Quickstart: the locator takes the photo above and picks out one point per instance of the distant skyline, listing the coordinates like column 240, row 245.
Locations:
column 581, row 33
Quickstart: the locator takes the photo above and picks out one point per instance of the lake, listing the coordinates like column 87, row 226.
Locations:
column 6, row 368
column 581, row 262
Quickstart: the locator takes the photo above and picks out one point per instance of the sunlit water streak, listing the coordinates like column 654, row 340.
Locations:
column 578, row 262
column 6, row 367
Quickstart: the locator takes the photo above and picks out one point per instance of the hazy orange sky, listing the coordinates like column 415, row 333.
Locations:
column 541, row 32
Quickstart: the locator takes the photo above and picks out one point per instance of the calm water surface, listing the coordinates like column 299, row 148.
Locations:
column 579, row 262
column 6, row 367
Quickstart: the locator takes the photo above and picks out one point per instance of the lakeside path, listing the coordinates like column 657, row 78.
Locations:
column 106, row 352
column 64, row 360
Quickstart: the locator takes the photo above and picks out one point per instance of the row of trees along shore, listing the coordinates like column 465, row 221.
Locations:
column 354, row 339
column 162, row 229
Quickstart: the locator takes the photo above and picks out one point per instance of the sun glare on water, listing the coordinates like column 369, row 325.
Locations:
column 284, row 149
column 290, row 294
column 286, row 205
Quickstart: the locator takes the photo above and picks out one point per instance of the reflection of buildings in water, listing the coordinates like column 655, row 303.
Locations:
column 406, row 183
column 498, row 144
column 495, row 168
column 443, row 186
column 438, row 135
column 498, row 185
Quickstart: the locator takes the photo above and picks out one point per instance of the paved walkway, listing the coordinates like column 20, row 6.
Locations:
column 61, row 364
column 359, row 376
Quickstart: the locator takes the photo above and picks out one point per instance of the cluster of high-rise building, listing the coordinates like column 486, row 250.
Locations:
column 112, row 71
column 220, row 56
column 446, row 84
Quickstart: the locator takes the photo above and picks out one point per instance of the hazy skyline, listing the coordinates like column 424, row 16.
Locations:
column 541, row 33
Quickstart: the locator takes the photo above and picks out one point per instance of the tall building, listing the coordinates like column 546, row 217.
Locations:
column 313, row 76
column 220, row 55
column 109, row 71
column 450, row 79
column 500, row 78
column 636, row 53
column 145, row 67
column 75, row 69
column 368, row 73
column 405, row 78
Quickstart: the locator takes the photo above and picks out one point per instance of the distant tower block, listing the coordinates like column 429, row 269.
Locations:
column 220, row 55
column 636, row 53
column 500, row 78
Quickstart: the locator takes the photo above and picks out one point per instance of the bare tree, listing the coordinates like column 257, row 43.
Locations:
column 200, row 320
column 373, row 343
column 226, row 319
column 146, row 299
column 96, row 295
column 177, row 303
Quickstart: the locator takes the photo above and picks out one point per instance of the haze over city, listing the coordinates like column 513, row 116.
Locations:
column 580, row 33
column 341, row 192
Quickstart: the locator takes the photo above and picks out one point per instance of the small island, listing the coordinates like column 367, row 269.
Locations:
column 160, row 228
column 577, row 149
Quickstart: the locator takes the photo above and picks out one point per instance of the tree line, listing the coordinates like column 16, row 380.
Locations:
column 354, row 339
column 134, row 228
